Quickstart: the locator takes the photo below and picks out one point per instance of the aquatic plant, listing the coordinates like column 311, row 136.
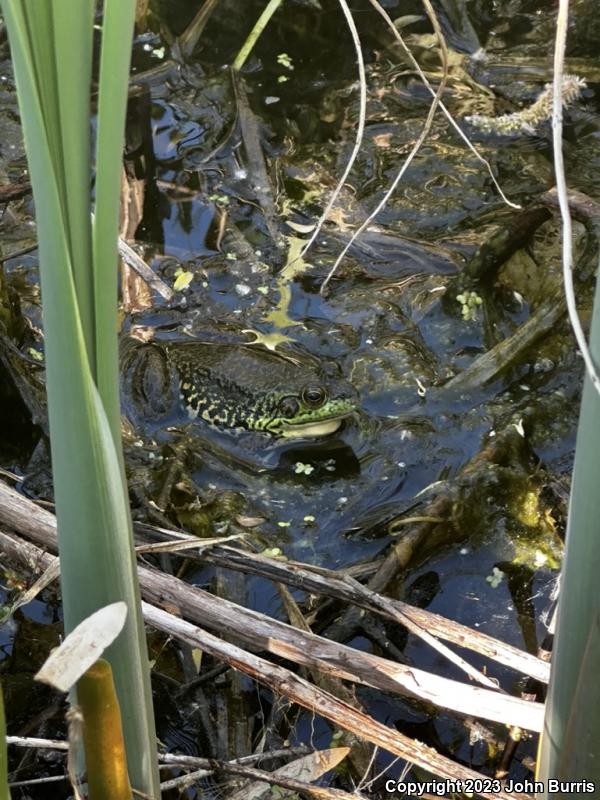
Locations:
column 51, row 45
column 568, row 746
column 102, row 734
column 529, row 119
column 470, row 302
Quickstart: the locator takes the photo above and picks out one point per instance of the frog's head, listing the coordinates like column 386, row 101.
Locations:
column 312, row 404
column 287, row 394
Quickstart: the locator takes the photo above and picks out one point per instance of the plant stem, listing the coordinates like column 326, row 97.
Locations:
column 255, row 33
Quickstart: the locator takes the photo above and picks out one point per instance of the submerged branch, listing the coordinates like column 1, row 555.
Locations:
column 257, row 167
column 507, row 352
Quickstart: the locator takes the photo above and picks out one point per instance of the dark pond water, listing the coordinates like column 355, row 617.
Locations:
column 390, row 318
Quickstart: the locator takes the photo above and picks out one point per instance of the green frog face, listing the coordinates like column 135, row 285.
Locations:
column 245, row 387
column 301, row 412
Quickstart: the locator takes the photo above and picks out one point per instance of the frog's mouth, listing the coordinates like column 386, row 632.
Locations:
column 310, row 429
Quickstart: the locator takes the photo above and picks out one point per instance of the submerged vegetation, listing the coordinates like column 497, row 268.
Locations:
column 344, row 383
column 529, row 119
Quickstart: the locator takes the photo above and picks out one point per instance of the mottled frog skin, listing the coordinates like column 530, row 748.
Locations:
column 240, row 387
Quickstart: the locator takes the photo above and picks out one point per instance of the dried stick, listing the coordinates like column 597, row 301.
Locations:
column 420, row 622
column 258, row 631
column 327, row 582
column 443, row 108
column 415, row 149
column 282, row 681
column 360, row 130
column 25, row 516
column 205, row 767
column 131, row 258
column 272, row 778
column 360, row 754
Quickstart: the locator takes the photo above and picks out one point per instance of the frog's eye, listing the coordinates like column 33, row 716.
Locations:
column 289, row 407
column 314, row 396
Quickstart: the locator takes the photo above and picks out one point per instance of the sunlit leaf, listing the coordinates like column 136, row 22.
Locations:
column 183, row 280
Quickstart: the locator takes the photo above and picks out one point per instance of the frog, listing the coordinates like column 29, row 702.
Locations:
column 238, row 387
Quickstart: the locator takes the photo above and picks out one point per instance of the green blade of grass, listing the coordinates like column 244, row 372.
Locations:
column 117, row 32
column 40, row 51
column 255, row 33
column 44, row 27
column 73, row 29
column 569, row 744
column 96, row 549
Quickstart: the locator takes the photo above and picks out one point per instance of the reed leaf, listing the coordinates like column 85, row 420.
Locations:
column 96, row 548
column 569, row 744
column 112, row 103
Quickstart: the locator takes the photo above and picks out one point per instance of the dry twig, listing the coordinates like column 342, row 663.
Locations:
column 443, row 108
column 360, row 130
column 416, row 147
column 277, row 678
column 259, row 631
